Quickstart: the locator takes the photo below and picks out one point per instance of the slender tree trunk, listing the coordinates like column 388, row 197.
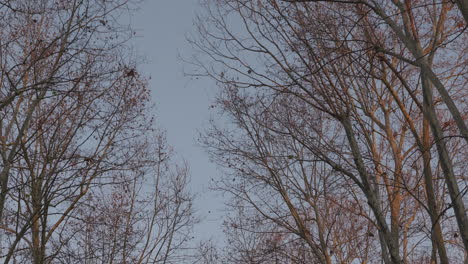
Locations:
column 321, row 232
column 372, row 197
column 36, row 226
column 393, row 190
column 384, row 249
column 431, row 200
column 446, row 164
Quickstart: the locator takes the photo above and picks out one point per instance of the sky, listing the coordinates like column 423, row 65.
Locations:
column 182, row 104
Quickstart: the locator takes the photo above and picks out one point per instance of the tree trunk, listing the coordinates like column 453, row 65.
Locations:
column 431, row 200
column 372, row 198
column 446, row 163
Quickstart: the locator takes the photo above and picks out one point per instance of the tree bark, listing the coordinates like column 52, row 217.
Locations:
column 436, row 231
column 446, row 164
column 372, row 198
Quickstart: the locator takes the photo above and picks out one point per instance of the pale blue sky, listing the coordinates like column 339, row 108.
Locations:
column 182, row 104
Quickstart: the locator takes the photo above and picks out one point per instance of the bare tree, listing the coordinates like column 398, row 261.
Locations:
column 84, row 176
column 132, row 223
column 52, row 50
column 407, row 23
column 311, row 74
